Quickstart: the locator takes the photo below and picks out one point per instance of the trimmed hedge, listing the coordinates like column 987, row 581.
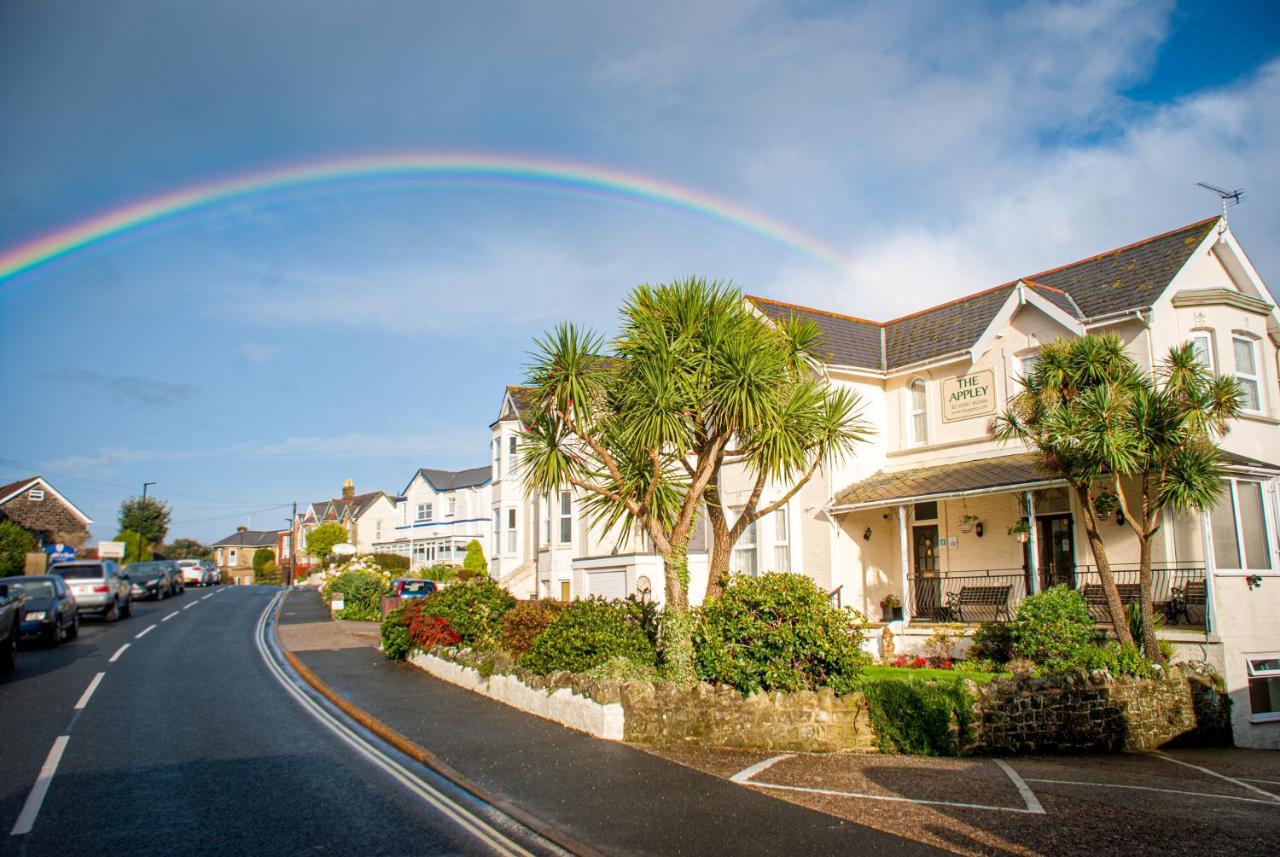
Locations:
column 392, row 562
column 920, row 718
column 474, row 609
column 778, row 632
column 395, row 636
column 522, row 624
column 586, row 634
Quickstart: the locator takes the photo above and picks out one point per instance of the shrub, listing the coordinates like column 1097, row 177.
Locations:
column 1118, row 659
column 359, row 589
column 623, row 669
column 358, row 613
column 993, row 641
column 268, row 575
column 920, row 718
column 427, row 631
column 261, row 557
column 474, row 560
column 465, row 574
column 395, row 636
column 441, row 572
column 585, row 635
column 15, row 544
column 777, row 632
column 522, row 624
column 392, row 562
column 648, row 617
column 474, row 609
column 1053, row 628
column 941, row 644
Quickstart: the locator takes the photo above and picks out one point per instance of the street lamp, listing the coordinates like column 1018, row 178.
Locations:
column 144, row 489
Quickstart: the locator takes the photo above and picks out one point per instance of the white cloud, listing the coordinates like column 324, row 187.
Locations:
column 257, row 352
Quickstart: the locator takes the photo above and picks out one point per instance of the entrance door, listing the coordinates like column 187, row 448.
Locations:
column 924, row 553
column 1057, row 554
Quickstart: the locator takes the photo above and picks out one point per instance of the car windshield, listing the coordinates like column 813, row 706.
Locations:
column 69, row 572
column 34, row 588
column 416, row 587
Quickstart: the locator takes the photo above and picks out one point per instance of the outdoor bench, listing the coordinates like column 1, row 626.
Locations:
column 1191, row 594
column 990, row 600
column 1096, row 598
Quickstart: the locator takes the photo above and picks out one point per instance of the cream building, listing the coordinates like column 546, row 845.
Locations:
column 436, row 515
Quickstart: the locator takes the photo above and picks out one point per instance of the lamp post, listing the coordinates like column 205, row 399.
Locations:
column 144, row 489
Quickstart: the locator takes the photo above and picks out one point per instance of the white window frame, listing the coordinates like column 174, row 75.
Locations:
column 424, row 512
column 566, row 518
column 452, row 506
column 782, row 540
column 231, row 556
column 511, row 454
column 1268, row 529
column 1266, row 675
column 497, row 532
column 919, row 436
column 35, row 495
column 497, row 459
column 1255, row 377
column 1206, row 337
column 743, row 547
column 546, row 519
column 513, row 538
column 377, row 529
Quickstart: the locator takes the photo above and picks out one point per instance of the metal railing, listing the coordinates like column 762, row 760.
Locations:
column 985, row 595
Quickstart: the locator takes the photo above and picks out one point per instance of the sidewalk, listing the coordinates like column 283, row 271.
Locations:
column 615, row 798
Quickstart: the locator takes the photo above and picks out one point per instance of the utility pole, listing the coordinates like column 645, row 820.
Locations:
column 293, row 544
column 140, row 542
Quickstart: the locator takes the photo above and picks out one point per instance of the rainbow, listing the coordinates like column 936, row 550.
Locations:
column 561, row 176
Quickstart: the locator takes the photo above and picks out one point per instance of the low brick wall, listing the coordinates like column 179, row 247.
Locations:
column 1096, row 713
column 662, row 714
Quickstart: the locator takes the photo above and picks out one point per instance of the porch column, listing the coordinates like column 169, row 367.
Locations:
column 906, row 563
column 1033, row 541
column 1210, row 566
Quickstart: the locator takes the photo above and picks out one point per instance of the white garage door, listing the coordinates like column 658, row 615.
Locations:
column 607, row 584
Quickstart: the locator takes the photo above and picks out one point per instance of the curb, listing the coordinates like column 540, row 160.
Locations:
column 421, row 754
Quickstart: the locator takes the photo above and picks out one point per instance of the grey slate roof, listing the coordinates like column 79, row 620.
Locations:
column 1128, row 278
column 249, row 539
column 451, row 480
column 942, row 479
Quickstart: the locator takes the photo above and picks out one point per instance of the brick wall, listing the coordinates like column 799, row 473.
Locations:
column 49, row 519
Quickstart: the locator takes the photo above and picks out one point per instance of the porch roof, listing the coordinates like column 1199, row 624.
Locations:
column 983, row 476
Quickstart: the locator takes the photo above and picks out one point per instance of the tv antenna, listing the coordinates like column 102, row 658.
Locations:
column 1228, row 197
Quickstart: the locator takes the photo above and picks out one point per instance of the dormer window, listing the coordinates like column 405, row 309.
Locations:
column 919, row 412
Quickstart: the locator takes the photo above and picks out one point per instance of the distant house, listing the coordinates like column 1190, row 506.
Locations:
column 437, row 515
column 35, row 505
column 234, row 554
column 367, row 518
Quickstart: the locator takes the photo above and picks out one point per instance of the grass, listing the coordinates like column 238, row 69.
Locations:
column 904, row 674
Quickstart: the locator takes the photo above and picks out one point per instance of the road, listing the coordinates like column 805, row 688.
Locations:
column 177, row 736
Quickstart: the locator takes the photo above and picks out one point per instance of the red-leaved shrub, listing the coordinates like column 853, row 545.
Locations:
column 427, row 631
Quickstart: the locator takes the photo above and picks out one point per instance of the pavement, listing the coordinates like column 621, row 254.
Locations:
column 611, row 797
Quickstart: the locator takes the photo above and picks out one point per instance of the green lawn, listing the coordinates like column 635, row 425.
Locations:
column 906, row 674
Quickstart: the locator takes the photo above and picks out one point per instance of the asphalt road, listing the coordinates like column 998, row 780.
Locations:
column 190, row 745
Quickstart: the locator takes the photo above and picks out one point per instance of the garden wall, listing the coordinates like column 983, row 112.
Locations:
column 1095, row 713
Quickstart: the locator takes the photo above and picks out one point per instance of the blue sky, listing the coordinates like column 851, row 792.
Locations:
column 263, row 351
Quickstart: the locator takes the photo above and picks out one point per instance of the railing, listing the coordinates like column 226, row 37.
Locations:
column 1178, row 593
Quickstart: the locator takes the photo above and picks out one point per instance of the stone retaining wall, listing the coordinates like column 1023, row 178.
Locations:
column 1093, row 712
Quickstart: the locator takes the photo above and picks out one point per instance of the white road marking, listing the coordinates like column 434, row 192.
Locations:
column 1147, row 789
column 750, row 771
column 116, row 656
column 144, row 632
column 88, row 691
column 1033, row 806
column 207, row 597
column 1241, row 783
column 30, row 809
column 170, row 616
column 192, row 604
column 1268, row 782
column 460, row 815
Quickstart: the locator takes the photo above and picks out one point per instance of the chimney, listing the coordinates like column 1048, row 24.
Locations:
column 242, row 529
column 348, row 490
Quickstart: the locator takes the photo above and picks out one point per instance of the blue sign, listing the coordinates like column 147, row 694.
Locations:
column 59, row 553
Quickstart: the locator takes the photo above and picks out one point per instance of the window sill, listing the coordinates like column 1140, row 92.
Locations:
column 1248, row 572
column 1270, row 717
column 1258, row 417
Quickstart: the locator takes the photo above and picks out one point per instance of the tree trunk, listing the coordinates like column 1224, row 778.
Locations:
column 677, row 625
column 1114, row 606
column 1150, row 646
column 721, row 545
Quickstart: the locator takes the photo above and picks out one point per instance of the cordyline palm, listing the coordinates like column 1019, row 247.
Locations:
column 1177, row 418
column 1074, row 411
column 642, row 429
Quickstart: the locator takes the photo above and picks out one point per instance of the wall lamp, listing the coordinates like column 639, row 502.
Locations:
column 866, row 534
column 1119, row 518
column 977, row 529
column 1254, row 581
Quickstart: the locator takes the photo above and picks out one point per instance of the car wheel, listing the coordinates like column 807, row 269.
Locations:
column 9, row 652
column 112, row 613
column 74, row 630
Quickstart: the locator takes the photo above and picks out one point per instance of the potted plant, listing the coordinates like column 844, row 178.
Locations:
column 967, row 522
column 1021, row 531
column 890, row 608
column 1106, row 503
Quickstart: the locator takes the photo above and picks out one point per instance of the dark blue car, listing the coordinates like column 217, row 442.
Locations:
column 49, row 609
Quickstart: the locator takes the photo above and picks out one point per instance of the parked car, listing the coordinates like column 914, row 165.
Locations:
column 98, row 586
column 173, row 575
column 214, row 571
column 193, row 573
column 412, row 587
column 49, row 609
column 10, row 627
column 149, row 580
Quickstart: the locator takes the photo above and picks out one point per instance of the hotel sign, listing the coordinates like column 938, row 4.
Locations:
column 969, row 396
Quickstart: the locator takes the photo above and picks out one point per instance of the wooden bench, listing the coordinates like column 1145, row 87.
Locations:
column 1190, row 595
column 991, row 600
column 1096, row 597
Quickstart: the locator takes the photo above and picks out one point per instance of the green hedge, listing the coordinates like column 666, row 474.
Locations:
column 1053, row 629
column 474, row 609
column 922, row 718
column 778, row 632
column 524, row 623
column 395, row 636
column 585, row 635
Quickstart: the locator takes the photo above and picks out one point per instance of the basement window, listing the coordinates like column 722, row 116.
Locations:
column 1264, row 687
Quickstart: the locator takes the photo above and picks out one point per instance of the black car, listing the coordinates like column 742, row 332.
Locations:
column 149, row 580
column 49, row 609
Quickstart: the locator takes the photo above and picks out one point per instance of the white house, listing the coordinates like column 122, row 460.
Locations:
column 437, row 514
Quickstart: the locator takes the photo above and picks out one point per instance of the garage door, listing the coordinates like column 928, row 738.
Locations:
column 608, row 584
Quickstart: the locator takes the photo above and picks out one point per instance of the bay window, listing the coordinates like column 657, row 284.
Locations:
column 781, row 541
column 1247, row 372
column 566, row 517
column 1202, row 346
column 1238, row 523
column 744, row 552
column 511, row 531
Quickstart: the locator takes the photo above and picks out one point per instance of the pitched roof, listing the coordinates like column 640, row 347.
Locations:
column 452, row 480
column 885, row 488
column 249, row 539
column 7, row 492
column 356, row 505
column 1127, row 278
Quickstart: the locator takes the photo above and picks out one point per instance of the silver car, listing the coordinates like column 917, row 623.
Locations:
column 98, row 586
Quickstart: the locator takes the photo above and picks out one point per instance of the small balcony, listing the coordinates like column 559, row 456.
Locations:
column 994, row 595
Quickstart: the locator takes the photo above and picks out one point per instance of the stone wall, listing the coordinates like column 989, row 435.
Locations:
column 662, row 714
column 1096, row 713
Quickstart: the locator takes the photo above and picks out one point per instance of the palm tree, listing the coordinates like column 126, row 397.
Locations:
column 643, row 427
column 1177, row 417
column 1074, row 411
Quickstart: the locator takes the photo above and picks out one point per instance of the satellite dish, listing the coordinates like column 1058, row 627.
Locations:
column 344, row 550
